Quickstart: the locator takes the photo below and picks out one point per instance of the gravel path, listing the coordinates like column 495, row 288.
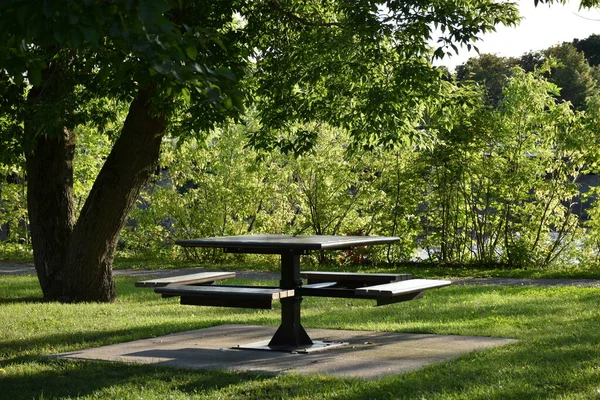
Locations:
column 28, row 269
column 24, row 269
column 527, row 282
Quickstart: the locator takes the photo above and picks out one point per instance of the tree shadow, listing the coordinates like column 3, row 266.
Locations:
column 59, row 378
column 73, row 379
column 21, row 300
column 40, row 345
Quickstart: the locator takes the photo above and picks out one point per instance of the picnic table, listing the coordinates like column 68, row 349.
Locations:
column 291, row 336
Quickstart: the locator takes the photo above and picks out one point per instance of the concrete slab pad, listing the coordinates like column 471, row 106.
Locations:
column 369, row 354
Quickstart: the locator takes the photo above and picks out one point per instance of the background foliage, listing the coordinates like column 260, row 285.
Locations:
column 496, row 179
column 498, row 187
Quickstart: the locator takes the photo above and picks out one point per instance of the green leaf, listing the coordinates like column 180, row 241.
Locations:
column 90, row 35
column 145, row 11
column 162, row 68
column 76, row 38
column 238, row 101
column 225, row 72
column 439, row 53
column 191, row 51
column 213, row 93
column 23, row 14
column 58, row 36
column 35, row 76
column 219, row 42
column 198, row 68
column 18, row 79
column 186, row 95
column 73, row 19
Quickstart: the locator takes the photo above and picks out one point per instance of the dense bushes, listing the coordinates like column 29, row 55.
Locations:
column 13, row 205
column 498, row 186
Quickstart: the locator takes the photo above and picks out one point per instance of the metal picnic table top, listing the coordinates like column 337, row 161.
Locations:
column 269, row 243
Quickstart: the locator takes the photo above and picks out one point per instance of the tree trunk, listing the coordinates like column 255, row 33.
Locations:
column 74, row 260
column 88, row 272
column 50, row 204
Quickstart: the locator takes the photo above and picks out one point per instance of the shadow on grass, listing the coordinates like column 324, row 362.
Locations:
column 50, row 344
column 21, row 300
column 71, row 379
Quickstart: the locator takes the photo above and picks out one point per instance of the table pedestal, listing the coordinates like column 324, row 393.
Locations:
column 291, row 336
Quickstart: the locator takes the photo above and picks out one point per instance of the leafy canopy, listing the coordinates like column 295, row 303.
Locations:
column 364, row 65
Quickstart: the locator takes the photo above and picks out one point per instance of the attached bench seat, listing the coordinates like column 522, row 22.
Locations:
column 226, row 296
column 393, row 292
column 204, row 278
column 387, row 293
column 352, row 279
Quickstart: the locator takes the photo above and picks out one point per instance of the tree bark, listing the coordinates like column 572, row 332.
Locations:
column 88, row 271
column 49, row 166
column 73, row 260
column 49, row 169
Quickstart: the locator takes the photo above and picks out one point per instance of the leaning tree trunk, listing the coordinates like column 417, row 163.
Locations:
column 74, row 260
column 88, row 270
column 49, row 167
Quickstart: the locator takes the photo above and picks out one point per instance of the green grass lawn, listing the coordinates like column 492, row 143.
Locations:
column 557, row 356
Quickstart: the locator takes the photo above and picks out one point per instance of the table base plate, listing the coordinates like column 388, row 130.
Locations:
column 318, row 345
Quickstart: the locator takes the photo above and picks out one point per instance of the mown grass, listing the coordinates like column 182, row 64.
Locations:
column 557, row 356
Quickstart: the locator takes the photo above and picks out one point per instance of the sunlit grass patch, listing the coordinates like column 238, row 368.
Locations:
column 556, row 356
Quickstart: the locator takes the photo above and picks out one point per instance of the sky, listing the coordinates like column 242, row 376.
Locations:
column 541, row 27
